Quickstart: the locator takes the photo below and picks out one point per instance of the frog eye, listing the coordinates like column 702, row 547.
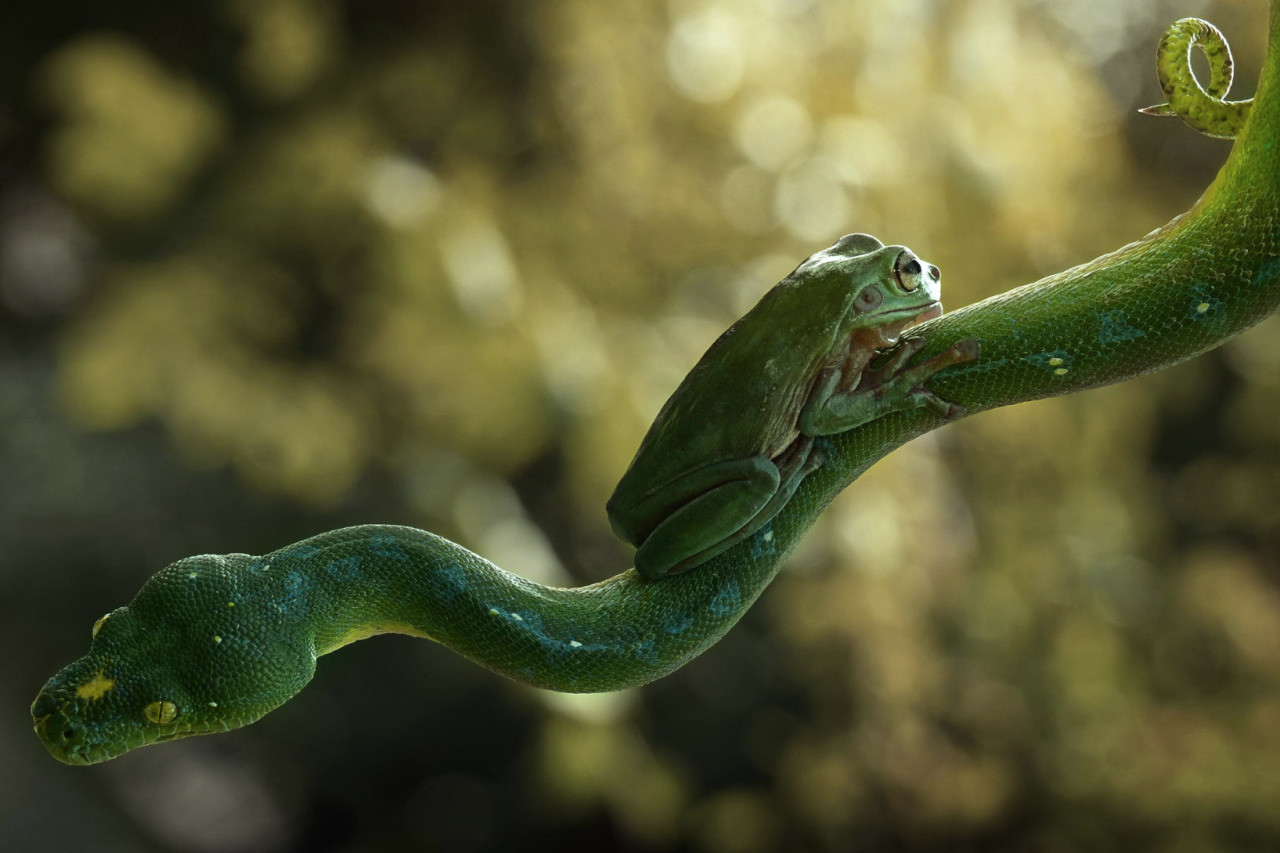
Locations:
column 869, row 299
column 908, row 274
column 161, row 712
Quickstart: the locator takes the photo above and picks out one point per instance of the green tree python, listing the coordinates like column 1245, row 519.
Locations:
column 212, row 643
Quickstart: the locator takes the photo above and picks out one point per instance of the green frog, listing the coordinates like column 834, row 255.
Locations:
column 736, row 439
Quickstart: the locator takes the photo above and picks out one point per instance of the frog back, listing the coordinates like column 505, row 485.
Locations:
column 744, row 396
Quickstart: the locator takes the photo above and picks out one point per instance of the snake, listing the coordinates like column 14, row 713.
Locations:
column 212, row 643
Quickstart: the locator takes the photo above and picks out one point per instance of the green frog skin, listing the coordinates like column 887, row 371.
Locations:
column 736, row 439
column 211, row 643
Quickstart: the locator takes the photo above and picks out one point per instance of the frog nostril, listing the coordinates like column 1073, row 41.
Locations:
column 934, row 272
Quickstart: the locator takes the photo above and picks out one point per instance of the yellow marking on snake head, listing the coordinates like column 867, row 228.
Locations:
column 1202, row 307
column 96, row 687
column 1061, row 371
column 1055, row 361
column 97, row 626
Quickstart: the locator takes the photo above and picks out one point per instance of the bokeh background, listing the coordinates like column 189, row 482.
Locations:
column 269, row 267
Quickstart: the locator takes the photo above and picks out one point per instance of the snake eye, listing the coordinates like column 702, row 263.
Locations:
column 161, row 712
column 869, row 299
column 97, row 626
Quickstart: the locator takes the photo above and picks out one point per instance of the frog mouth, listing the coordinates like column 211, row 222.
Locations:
column 899, row 321
column 931, row 312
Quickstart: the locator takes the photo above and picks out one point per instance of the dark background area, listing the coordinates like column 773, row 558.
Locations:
column 270, row 268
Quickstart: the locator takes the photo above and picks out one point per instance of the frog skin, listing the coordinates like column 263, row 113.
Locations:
column 736, row 439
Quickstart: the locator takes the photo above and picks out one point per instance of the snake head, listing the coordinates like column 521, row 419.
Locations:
column 176, row 662
column 117, row 697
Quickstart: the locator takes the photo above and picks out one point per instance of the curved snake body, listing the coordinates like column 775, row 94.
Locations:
column 214, row 642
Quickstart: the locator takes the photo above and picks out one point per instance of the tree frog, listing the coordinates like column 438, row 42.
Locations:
column 736, row 439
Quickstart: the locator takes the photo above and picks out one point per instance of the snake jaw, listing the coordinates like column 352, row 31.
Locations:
column 72, row 740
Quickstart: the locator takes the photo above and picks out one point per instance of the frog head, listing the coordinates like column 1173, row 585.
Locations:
column 884, row 290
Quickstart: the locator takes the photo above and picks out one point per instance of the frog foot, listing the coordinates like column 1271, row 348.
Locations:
column 902, row 387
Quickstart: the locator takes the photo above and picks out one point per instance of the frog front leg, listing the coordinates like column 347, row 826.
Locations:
column 892, row 387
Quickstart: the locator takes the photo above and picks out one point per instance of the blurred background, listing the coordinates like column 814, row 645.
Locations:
column 269, row 268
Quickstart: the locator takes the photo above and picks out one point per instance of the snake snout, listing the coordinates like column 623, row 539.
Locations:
column 43, row 706
column 53, row 727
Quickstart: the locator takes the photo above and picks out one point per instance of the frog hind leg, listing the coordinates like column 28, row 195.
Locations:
column 775, row 482
column 712, row 504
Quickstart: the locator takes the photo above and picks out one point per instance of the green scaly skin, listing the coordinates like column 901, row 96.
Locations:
column 212, row 643
column 1203, row 108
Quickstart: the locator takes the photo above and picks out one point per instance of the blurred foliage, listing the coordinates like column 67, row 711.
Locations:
column 440, row 264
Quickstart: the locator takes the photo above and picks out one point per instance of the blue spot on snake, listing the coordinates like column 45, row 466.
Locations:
column 388, row 546
column 726, row 600
column 1057, row 362
column 346, row 569
column 1115, row 328
column 1271, row 269
column 294, row 602
column 762, row 544
column 676, row 623
column 300, row 552
column 530, row 623
column 1205, row 307
column 449, row 582
column 644, row 648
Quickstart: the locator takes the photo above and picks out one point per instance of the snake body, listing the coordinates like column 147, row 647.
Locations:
column 211, row 643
